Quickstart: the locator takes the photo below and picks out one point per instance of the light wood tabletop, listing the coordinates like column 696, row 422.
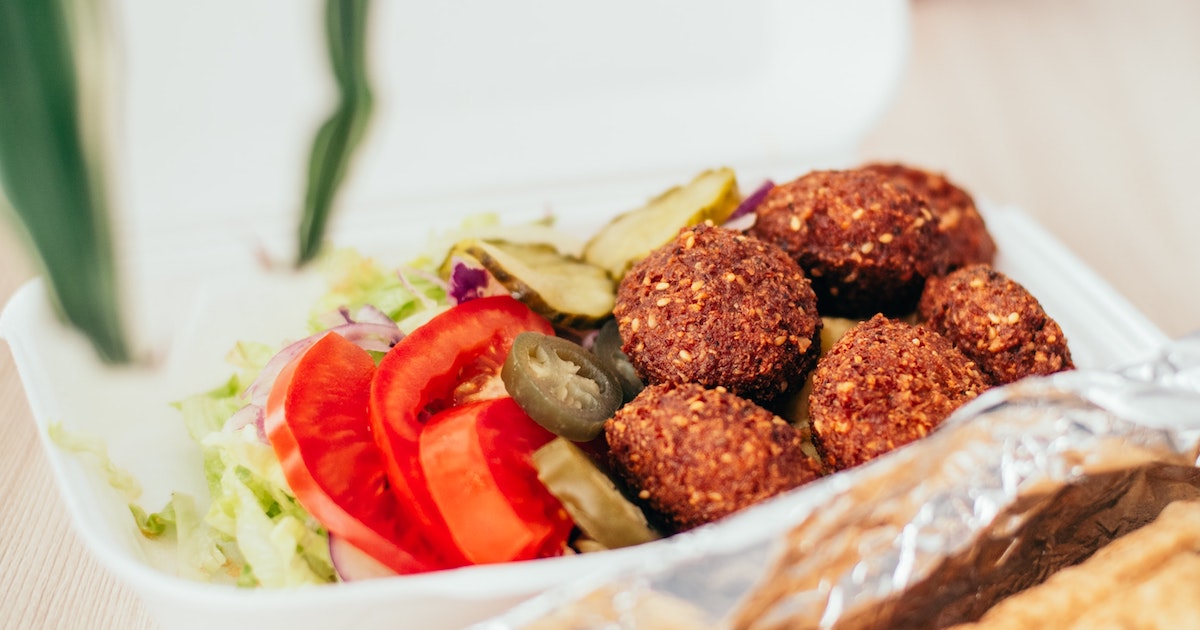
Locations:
column 1085, row 113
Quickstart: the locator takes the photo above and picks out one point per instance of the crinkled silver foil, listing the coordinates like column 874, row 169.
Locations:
column 1022, row 480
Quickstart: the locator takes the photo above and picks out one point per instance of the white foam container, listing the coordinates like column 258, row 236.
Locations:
column 796, row 85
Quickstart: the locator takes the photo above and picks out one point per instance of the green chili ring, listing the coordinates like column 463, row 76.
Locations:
column 608, row 349
column 560, row 385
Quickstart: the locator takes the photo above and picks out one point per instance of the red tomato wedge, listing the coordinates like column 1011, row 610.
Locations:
column 477, row 460
column 317, row 423
column 453, row 359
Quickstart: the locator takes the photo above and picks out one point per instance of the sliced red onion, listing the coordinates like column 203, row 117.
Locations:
column 750, row 203
column 352, row 563
column 333, row 318
column 247, row 415
column 368, row 336
column 373, row 337
column 466, row 282
column 742, row 223
column 589, row 339
column 367, row 314
column 260, row 389
column 370, row 314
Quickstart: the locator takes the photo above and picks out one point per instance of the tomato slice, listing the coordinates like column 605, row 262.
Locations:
column 453, row 359
column 318, row 425
column 478, row 465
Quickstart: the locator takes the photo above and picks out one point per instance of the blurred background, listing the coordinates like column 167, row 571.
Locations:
column 1084, row 113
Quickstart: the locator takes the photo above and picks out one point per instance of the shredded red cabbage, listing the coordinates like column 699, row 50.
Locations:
column 466, row 282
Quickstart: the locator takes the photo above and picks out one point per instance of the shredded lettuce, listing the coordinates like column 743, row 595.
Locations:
column 199, row 548
column 91, row 446
column 356, row 280
column 198, row 553
column 281, row 544
column 254, row 527
column 156, row 524
column 250, row 357
column 254, row 524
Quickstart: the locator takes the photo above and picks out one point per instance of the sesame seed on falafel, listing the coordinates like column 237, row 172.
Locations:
column 695, row 455
column 996, row 322
column 957, row 217
column 719, row 308
column 867, row 243
column 884, row 384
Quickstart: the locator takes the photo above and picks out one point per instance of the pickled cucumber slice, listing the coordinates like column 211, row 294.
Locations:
column 565, row 290
column 590, row 497
column 795, row 410
column 712, row 196
column 832, row 329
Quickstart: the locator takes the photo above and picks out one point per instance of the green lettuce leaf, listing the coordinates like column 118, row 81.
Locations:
column 356, row 280
column 93, row 448
column 253, row 525
column 199, row 553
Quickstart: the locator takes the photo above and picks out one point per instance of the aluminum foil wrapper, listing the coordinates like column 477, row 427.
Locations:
column 1022, row 481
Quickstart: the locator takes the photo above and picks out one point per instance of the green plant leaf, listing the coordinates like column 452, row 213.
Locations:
column 51, row 179
column 333, row 147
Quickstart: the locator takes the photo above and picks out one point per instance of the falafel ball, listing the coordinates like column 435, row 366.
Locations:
column 884, row 384
column 996, row 322
column 867, row 242
column 719, row 308
column 695, row 455
column 957, row 217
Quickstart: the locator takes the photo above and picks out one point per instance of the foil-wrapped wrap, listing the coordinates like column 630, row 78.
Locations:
column 1023, row 481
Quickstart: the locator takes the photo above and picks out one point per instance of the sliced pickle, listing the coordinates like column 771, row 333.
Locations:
column 795, row 409
column 490, row 228
column 590, row 497
column 565, row 290
column 832, row 329
column 712, row 196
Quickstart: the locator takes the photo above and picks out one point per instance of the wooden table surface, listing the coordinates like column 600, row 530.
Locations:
column 1086, row 113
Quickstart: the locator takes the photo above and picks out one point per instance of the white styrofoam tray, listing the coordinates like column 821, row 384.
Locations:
column 129, row 409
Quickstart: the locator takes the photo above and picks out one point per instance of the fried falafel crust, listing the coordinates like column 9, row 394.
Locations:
column 695, row 455
column 996, row 322
column 957, row 216
column 867, row 242
column 884, row 384
column 719, row 308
